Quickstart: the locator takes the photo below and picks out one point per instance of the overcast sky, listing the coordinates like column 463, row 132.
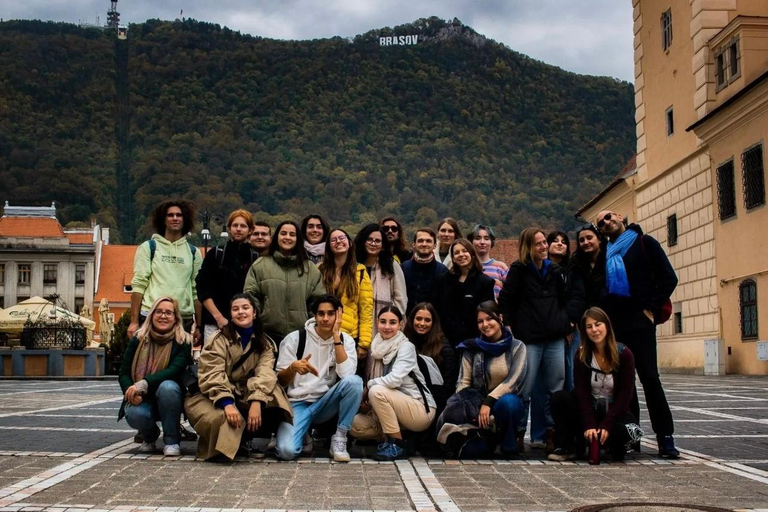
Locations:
column 585, row 36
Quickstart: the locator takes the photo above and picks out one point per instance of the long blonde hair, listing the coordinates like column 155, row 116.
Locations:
column 527, row 242
column 180, row 335
column 588, row 347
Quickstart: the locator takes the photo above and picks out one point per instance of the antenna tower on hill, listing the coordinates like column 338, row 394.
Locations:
column 113, row 17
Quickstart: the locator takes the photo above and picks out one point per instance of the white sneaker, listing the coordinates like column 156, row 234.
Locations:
column 148, row 447
column 339, row 448
column 308, row 444
column 171, row 450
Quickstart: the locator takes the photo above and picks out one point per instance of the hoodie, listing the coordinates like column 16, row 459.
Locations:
column 310, row 388
column 170, row 273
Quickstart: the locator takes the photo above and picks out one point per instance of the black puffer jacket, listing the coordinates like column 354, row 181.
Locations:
column 535, row 307
column 456, row 302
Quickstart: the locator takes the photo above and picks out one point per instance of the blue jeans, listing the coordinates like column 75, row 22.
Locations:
column 508, row 410
column 166, row 408
column 342, row 399
column 545, row 359
column 570, row 356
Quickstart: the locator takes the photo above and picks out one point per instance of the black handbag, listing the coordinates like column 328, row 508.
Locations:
column 189, row 379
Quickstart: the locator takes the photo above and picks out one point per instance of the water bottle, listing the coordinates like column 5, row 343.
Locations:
column 594, row 451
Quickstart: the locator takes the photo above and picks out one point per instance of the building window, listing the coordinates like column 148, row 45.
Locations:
column 666, row 29
column 727, row 64
column 50, row 274
column 670, row 117
column 721, row 70
column 79, row 303
column 734, row 59
column 752, row 177
column 21, row 299
column 672, row 230
column 726, row 191
column 2, row 274
column 79, row 274
column 748, row 309
column 25, row 273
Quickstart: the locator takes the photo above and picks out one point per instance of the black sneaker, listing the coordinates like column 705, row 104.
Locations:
column 667, row 448
column 186, row 434
column 561, row 455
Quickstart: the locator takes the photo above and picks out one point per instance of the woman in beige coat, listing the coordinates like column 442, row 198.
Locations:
column 238, row 386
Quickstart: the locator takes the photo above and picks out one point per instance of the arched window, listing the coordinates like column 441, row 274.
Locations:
column 748, row 309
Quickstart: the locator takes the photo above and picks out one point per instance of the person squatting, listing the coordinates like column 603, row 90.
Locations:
column 278, row 340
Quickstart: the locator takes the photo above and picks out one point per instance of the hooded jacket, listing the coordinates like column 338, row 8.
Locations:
column 282, row 293
column 171, row 272
column 309, row 387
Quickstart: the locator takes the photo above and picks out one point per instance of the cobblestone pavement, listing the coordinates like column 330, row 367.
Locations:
column 61, row 450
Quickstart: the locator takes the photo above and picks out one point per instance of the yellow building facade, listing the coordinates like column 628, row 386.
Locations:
column 701, row 112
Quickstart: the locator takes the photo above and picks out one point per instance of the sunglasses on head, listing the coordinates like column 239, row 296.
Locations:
column 393, row 229
column 605, row 219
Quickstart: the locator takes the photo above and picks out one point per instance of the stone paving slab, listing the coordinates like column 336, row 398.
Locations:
column 16, row 469
column 240, row 485
column 479, row 488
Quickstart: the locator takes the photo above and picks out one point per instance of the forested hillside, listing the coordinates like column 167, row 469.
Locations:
column 456, row 124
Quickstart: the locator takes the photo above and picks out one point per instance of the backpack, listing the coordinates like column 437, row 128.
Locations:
column 666, row 309
column 424, row 387
column 153, row 248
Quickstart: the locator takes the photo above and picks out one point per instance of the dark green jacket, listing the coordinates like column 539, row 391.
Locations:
column 181, row 357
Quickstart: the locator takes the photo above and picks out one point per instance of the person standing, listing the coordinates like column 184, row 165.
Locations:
column 483, row 240
column 447, row 232
column 315, row 231
column 372, row 250
column 166, row 265
column 640, row 280
column 223, row 272
column 344, row 277
column 261, row 237
column 533, row 303
column 282, row 283
column 457, row 293
column 395, row 234
column 421, row 271
column 319, row 377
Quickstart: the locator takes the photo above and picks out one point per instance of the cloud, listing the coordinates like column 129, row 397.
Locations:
column 584, row 36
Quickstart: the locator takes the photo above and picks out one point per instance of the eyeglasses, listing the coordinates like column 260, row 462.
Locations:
column 605, row 219
column 390, row 229
column 260, row 235
column 373, row 241
column 338, row 239
column 164, row 312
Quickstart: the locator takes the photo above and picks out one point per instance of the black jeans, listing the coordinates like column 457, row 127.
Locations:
column 569, row 427
column 642, row 343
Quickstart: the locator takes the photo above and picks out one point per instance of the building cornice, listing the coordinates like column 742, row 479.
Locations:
column 743, row 107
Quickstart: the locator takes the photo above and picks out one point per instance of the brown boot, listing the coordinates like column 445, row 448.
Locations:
column 550, row 440
column 520, row 442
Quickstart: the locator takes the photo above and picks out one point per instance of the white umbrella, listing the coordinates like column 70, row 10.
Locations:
column 36, row 308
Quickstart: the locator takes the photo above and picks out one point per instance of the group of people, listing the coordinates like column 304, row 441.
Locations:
column 306, row 333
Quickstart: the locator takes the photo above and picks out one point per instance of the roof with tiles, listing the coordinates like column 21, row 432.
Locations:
column 80, row 238
column 505, row 250
column 115, row 273
column 31, row 227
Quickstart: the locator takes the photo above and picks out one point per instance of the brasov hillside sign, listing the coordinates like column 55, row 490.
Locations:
column 398, row 40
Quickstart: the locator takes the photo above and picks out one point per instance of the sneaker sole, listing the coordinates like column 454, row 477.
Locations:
column 341, row 458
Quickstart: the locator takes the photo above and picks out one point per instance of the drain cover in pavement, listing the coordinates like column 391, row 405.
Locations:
column 648, row 507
